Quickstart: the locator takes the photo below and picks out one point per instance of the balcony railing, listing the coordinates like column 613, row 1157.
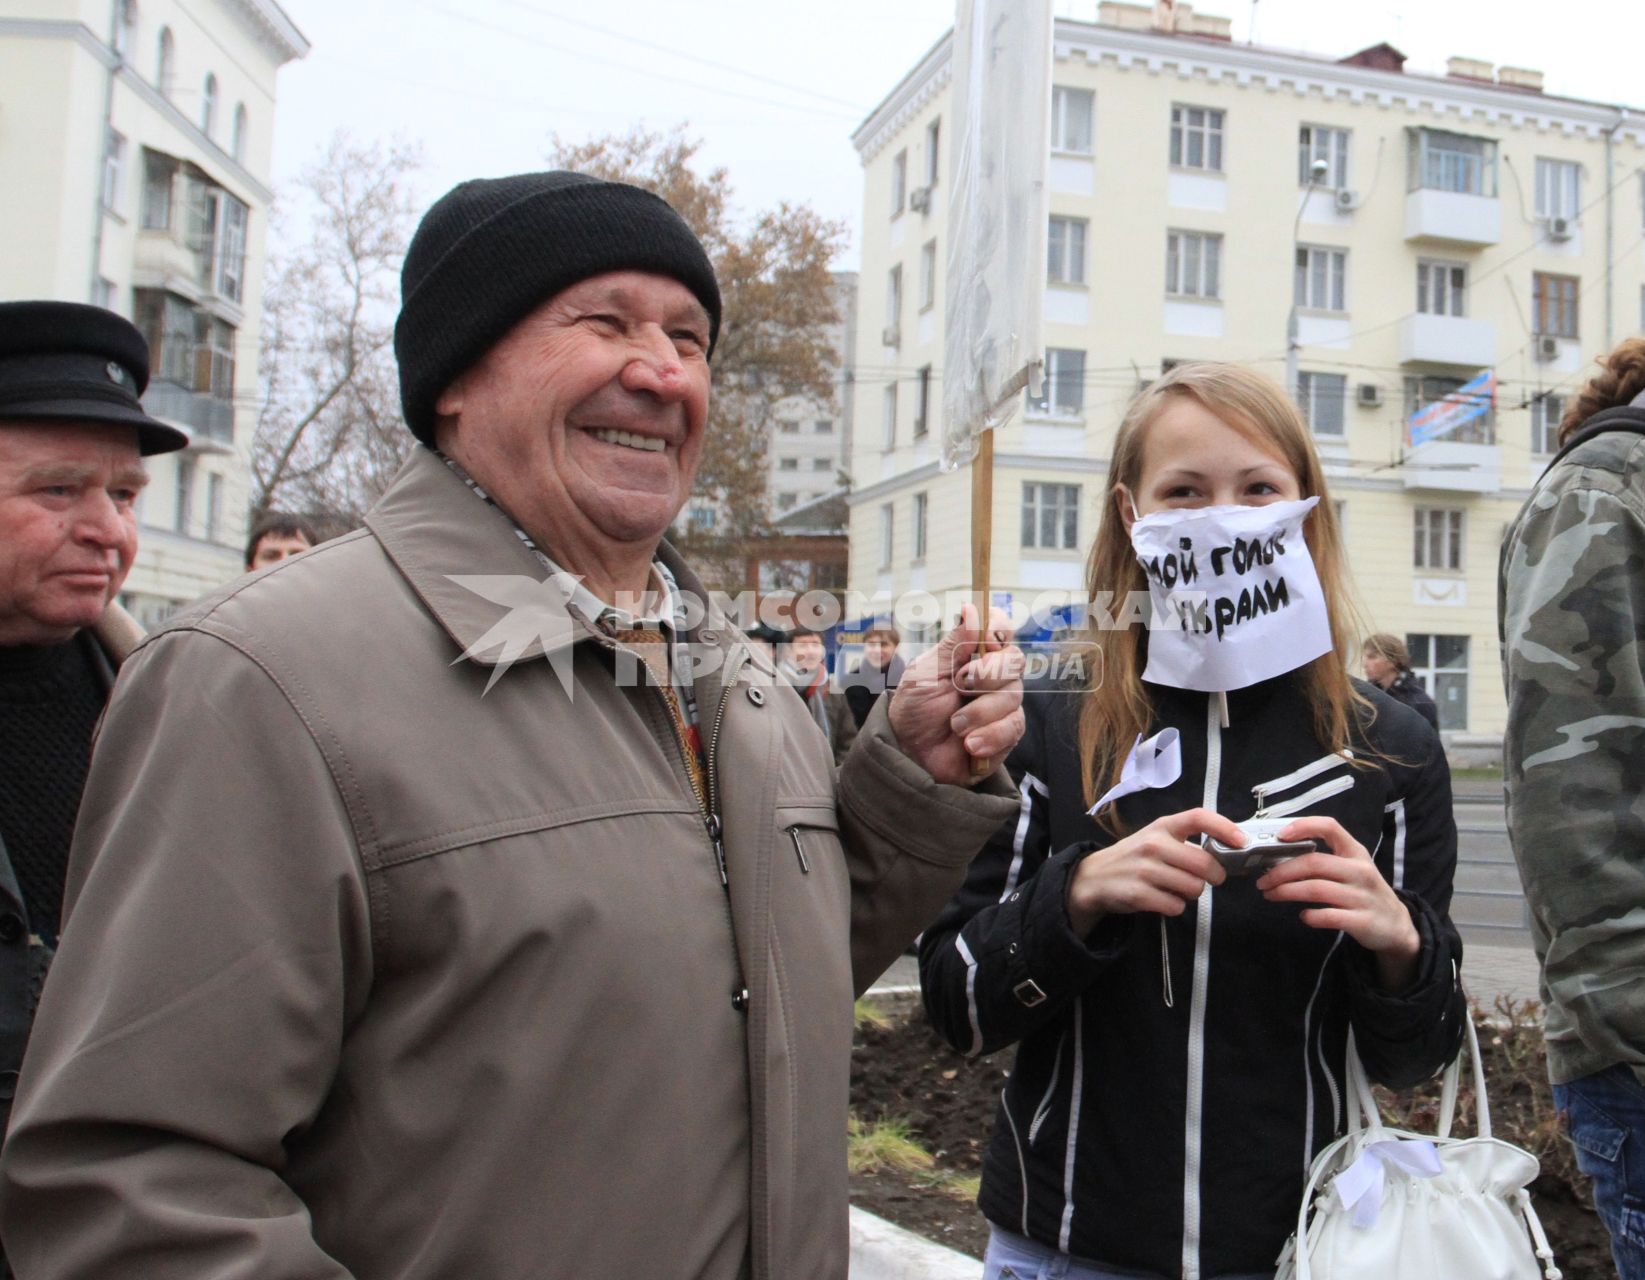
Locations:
column 202, row 414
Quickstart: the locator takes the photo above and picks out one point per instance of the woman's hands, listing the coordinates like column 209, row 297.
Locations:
column 1155, row 869
column 1346, row 891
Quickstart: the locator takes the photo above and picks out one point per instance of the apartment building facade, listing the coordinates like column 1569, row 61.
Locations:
column 810, row 443
column 1442, row 255
column 135, row 146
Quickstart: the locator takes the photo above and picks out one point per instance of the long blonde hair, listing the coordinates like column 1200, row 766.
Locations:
column 1115, row 707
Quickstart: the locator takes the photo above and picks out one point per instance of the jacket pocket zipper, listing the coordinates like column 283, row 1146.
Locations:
column 799, row 845
column 1296, row 778
column 1325, row 790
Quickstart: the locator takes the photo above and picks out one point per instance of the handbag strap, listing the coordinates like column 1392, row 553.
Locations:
column 1448, row 1092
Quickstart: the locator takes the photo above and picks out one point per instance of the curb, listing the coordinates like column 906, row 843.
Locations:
column 880, row 1250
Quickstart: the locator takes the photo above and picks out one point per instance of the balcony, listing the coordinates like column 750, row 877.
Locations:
column 1453, row 217
column 1457, row 466
column 1454, row 340
column 206, row 417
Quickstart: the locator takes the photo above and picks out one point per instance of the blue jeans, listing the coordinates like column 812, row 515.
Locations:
column 1605, row 1118
column 1014, row 1257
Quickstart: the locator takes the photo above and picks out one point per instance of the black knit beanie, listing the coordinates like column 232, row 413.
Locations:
column 492, row 250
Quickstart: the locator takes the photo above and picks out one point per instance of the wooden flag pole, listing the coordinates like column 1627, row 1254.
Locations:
column 982, row 554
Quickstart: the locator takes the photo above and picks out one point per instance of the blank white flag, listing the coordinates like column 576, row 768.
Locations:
column 996, row 217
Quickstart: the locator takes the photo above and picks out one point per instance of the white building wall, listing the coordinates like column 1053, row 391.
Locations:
column 65, row 70
column 1121, row 317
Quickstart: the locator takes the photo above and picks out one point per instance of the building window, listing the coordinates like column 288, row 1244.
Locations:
column 103, row 294
column 1441, row 161
column 1321, row 279
column 888, row 439
column 1558, row 189
column 788, row 464
column 1071, row 119
column 888, row 528
column 893, row 298
column 933, row 141
column 899, row 182
column 1442, row 288
column 1196, row 138
column 237, row 145
column 214, row 507
column 822, row 464
column 786, row 501
column 788, row 426
column 1065, row 251
column 125, row 30
column 821, row 427
column 928, row 275
column 114, row 170
column 1438, row 543
column 1441, row 663
column 1193, row 264
column 701, row 518
column 922, row 510
column 208, row 106
column 1316, row 142
column 1321, row 397
column 159, row 171
column 183, row 509
column 1547, row 409
column 922, row 401
column 1553, row 305
column 1050, row 517
column 165, row 61
column 1064, row 395
column 1422, row 392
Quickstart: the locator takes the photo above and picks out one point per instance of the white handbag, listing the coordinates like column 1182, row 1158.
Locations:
column 1384, row 1204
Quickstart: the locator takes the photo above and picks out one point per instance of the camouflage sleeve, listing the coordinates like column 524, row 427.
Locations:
column 1573, row 629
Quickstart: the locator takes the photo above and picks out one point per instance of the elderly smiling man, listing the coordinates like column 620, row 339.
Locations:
column 454, row 901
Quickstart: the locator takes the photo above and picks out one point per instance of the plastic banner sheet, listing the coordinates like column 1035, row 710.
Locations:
column 996, row 217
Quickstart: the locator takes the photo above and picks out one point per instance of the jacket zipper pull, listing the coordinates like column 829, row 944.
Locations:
column 715, row 834
column 1165, row 966
column 799, row 850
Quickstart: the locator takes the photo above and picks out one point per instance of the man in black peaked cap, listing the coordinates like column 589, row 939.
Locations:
column 72, row 440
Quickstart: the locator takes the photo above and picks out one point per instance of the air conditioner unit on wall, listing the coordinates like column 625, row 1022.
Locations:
column 1547, row 347
column 1347, row 201
column 1370, row 395
column 891, row 336
column 1560, row 228
column 919, row 199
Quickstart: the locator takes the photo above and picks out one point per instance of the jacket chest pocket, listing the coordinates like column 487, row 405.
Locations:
column 1295, row 791
column 809, row 881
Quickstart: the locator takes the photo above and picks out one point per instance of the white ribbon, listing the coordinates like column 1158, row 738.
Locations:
column 1359, row 1187
column 1155, row 763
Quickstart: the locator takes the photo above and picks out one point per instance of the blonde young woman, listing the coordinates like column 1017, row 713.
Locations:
column 1182, row 1031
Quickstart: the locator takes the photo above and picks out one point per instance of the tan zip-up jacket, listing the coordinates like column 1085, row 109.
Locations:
column 373, row 971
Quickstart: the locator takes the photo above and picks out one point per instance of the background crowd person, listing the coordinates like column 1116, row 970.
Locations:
column 1387, row 664
column 278, row 536
column 1571, row 606
column 1182, row 1031
column 72, row 438
column 881, row 668
column 802, row 658
column 452, row 900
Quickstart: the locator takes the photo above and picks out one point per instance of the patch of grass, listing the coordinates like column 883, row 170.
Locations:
column 965, row 1187
column 885, row 1144
column 1479, row 773
column 871, row 1013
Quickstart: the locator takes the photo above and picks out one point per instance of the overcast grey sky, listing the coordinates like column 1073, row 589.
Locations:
column 775, row 89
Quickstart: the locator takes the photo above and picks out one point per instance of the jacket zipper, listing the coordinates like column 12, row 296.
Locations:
column 1296, row 777
column 716, row 831
column 799, row 845
column 1044, row 1109
column 1194, row 1138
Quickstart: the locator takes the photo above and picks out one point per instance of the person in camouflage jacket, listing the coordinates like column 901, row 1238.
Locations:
column 1571, row 608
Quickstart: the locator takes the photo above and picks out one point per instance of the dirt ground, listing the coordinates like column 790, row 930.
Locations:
column 949, row 1101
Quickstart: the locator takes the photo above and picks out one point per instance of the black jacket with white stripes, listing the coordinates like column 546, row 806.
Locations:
column 1175, row 1075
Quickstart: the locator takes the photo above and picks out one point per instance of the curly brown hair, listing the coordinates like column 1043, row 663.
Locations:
column 1621, row 377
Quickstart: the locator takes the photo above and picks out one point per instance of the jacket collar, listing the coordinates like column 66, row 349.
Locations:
column 484, row 587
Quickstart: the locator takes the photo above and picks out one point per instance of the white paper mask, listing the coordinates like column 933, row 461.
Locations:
column 1235, row 596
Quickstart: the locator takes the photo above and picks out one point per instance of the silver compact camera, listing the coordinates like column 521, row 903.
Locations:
column 1263, row 849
